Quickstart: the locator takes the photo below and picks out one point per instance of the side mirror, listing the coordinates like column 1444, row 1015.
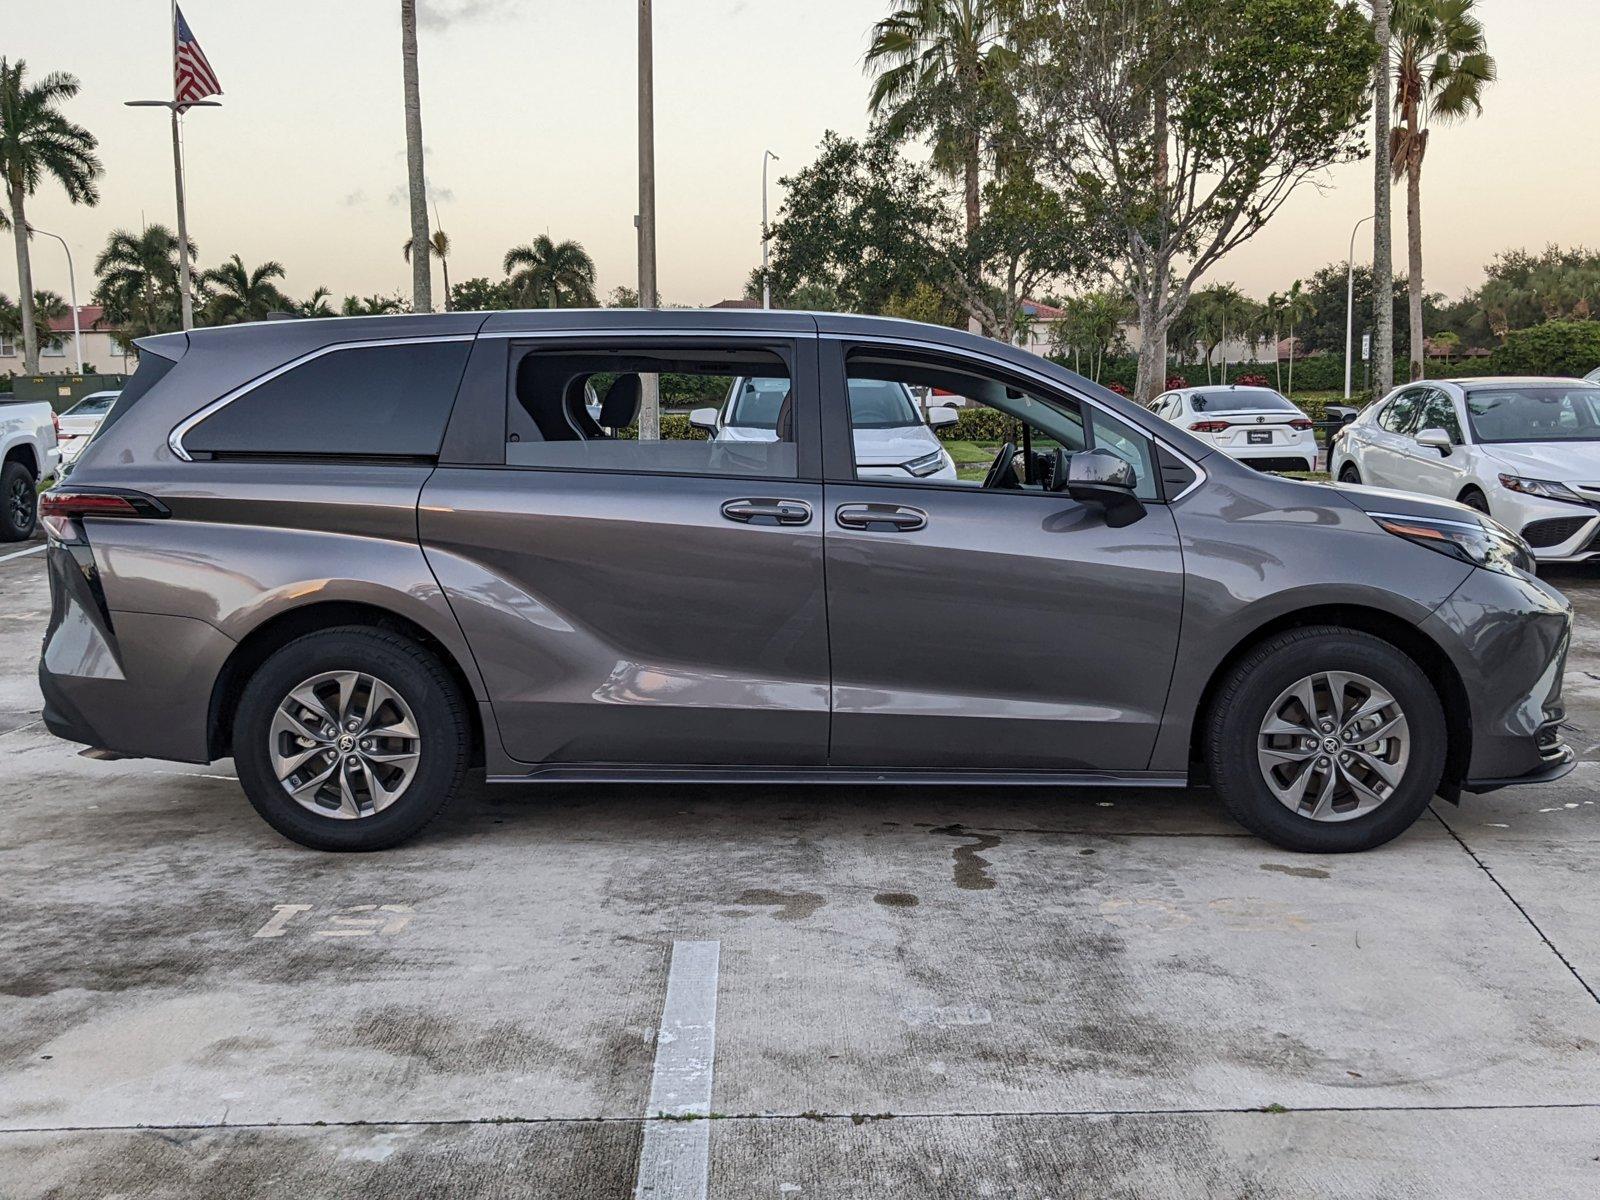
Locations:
column 704, row 418
column 1100, row 478
column 1436, row 439
column 942, row 416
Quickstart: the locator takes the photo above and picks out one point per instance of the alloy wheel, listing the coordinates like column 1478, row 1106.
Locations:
column 1333, row 746
column 344, row 744
column 21, row 502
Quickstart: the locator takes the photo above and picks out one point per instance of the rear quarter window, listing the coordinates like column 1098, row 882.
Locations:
column 366, row 401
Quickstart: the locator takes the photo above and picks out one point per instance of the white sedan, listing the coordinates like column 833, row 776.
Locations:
column 892, row 441
column 78, row 423
column 1524, row 450
column 1255, row 425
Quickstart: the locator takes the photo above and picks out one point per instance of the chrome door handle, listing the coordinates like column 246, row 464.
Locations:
column 767, row 512
column 880, row 518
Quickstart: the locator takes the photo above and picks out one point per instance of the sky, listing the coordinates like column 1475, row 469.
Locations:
column 529, row 120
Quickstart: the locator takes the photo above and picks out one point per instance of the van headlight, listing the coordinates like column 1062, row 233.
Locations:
column 1486, row 546
column 926, row 465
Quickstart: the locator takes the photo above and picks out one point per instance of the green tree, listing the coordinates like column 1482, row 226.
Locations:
column 1441, row 71
column 481, row 295
column 1188, row 124
column 1562, row 348
column 547, row 272
column 38, row 141
column 438, row 247
column 926, row 304
column 316, row 306
column 623, row 296
column 47, row 308
column 238, row 293
column 1090, row 330
column 942, row 70
column 137, row 284
column 1298, row 306
column 372, row 306
column 1523, row 289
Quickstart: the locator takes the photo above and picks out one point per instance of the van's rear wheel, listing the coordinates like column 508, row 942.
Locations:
column 351, row 739
column 1326, row 740
column 19, row 502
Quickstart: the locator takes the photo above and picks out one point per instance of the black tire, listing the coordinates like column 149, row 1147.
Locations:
column 1475, row 499
column 1349, row 474
column 412, row 671
column 1241, row 703
column 19, row 504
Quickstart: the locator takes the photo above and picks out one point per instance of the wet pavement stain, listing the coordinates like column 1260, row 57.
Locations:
column 896, row 900
column 791, row 906
column 1300, row 872
column 971, row 868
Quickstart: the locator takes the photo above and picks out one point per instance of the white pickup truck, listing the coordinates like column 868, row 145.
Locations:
column 28, row 454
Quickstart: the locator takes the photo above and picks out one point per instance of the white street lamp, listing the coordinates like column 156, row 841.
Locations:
column 72, row 288
column 1350, row 304
column 766, row 282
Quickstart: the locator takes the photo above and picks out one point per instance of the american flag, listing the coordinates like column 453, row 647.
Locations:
column 193, row 77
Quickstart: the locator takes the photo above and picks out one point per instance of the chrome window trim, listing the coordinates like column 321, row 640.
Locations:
column 175, row 438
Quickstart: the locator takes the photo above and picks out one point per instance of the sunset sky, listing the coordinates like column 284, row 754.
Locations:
column 529, row 120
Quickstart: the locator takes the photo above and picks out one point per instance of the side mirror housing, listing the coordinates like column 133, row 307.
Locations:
column 1436, row 439
column 704, row 418
column 942, row 416
column 1100, row 478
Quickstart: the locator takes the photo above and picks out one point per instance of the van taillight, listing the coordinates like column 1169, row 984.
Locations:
column 61, row 508
column 1208, row 426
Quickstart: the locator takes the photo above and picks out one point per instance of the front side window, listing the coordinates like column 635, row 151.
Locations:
column 1399, row 414
column 1534, row 413
column 978, row 431
column 386, row 401
column 578, row 409
column 1439, row 412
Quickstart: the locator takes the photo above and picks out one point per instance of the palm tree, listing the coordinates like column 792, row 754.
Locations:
column 37, row 140
column 1272, row 318
column 1441, row 71
column 240, row 294
column 438, row 247
column 47, row 308
column 371, row 306
column 1297, row 306
column 940, row 68
column 138, row 274
column 416, row 180
column 1383, row 195
column 316, row 306
column 548, row 272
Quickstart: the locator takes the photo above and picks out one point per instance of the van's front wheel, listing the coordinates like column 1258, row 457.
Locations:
column 1326, row 740
column 351, row 739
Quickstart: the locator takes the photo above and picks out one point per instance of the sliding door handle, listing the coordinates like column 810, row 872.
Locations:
column 768, row 512
column 881, row 518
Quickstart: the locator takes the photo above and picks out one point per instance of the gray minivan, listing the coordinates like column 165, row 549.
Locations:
column 363, row 555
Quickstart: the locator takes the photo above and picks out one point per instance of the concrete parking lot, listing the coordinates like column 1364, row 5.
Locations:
column 866, row 993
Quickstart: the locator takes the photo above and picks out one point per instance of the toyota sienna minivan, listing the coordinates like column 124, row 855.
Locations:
column 361, row 556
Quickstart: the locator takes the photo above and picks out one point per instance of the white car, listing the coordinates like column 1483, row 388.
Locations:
column 1593, row 376
column 1255, row 425
column 78, row 423
column 1524, row 450
column 892, row 441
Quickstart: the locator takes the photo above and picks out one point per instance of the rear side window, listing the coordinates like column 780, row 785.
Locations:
column 152, row 370
column 378, row 401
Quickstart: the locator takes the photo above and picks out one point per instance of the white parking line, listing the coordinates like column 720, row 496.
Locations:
column 674, row 1161
column 20, row 553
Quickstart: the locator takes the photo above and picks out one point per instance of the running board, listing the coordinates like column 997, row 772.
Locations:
column 629, row 773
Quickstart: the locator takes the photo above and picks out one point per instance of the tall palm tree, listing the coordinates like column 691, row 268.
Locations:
column 1297, row 306
column 416, row 178
column 438, row 247
column 940, row 67
column 1441, row 71
column 546, row 272
column 1272, row 318
column 371, row 306
column 240, row 294
column 317, row 305
column 1382, row 203
column 37, row 140
column 138, row 281
column 47, row 308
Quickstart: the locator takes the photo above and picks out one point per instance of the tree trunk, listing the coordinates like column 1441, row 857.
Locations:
column 970, row 188
column 30, row 334
column 445, row 267
column 1382, row 235
column 421, row 268
column 1414, row 259
column 1291, row 358
column 1152, row 350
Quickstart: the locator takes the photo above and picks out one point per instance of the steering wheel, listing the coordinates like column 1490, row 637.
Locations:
column 1003, row 470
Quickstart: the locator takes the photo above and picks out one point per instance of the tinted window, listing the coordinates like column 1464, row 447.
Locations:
column 579, row 410
column 1439, row 412
column 384, row 401
column 1399, row 413
column 1241, row 400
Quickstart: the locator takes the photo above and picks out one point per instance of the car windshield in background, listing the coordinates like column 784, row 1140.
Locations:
column 757, row 402
column 1534, row 414
column 1241, row 400
column 881, row 404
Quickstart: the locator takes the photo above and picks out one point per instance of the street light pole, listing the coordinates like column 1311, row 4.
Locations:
column 72, row 289
column 650, row 405
column 766, row 281
column 185, row 281
column 1350, row 304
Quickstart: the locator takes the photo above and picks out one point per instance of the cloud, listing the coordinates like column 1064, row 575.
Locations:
column 441, row 14
column 436, row 195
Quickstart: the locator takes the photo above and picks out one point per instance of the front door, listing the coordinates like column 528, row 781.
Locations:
column 1004, row 626
column 639, row 601
column 1427, row 470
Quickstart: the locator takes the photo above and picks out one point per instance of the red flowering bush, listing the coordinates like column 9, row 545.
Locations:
column 1176, row 381
column 1118, row 389
column 1251, row 381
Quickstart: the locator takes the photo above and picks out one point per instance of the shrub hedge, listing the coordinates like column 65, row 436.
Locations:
column 1570, row 348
